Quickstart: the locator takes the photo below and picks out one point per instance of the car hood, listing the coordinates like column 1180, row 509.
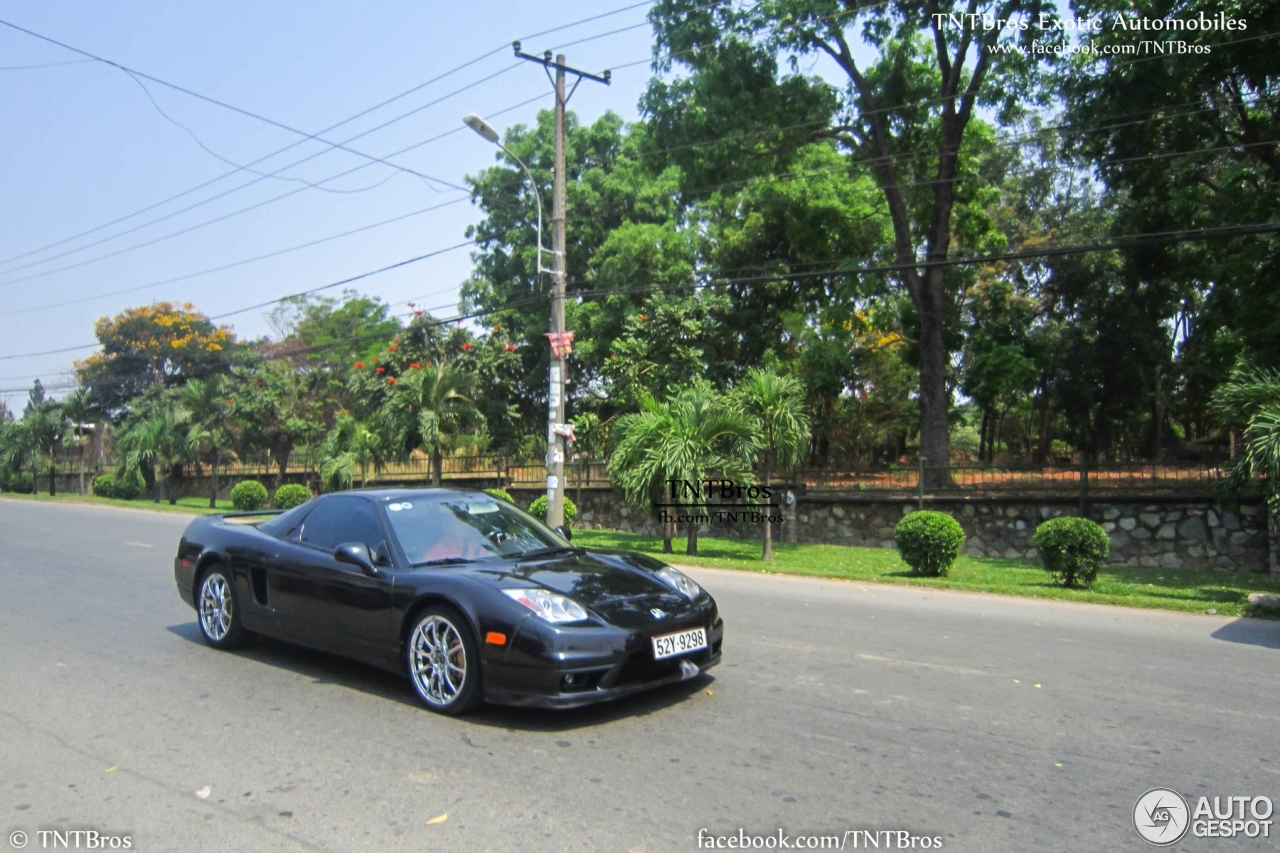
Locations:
column 619, row 586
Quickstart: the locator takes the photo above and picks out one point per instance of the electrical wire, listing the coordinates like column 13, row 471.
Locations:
column 500, row 49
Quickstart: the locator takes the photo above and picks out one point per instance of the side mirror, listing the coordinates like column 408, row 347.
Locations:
column 565, row 533
column 356, row 554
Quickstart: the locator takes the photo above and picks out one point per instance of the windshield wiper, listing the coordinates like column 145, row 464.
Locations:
column 444, row 561
column 542, row 552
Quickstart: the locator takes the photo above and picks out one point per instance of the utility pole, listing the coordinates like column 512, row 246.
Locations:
column 558, row 428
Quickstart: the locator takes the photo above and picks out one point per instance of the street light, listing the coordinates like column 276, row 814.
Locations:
column 484, row 129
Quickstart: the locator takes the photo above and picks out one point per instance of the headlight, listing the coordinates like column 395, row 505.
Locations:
column 680, row 582
column 548, row 605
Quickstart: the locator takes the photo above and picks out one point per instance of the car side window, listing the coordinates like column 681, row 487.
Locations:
column 340, row 519
column 285, row 525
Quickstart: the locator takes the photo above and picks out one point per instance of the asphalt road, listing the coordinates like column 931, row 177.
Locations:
column 996, row 724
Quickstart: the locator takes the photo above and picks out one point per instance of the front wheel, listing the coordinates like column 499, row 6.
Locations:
column 444, row 661
column 219, row 610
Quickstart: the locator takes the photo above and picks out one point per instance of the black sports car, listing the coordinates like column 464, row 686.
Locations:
column 472, row 597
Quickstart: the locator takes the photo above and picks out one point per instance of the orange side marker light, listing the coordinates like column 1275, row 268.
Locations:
column 497, row 638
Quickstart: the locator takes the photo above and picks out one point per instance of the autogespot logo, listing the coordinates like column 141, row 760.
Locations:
column 1161, row 817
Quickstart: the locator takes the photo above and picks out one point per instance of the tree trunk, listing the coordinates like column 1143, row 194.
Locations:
column 935, row 438
column 213, row 479
column 668, row 533
column 767, row 554
column 437, row 462
column 53, row 468
column 159, row 490
column 982, row 434
column 1045, row 439
column 82, row 469
column 691, row 546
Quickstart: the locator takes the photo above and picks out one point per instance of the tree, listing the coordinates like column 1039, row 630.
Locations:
column 156, row 443
column 904, row 115
column 77, row 410
column 775, row 405
column 691, row 438
column 210, row 409
column 351, row 445
column 428, row 409
column 1251, row 398
column 41, row 431
column 162, row 345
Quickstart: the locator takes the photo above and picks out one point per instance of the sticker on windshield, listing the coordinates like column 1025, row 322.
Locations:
column 480, row 509
column 398, row 507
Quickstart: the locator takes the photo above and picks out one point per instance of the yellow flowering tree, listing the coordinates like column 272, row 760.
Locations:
column 163, row 344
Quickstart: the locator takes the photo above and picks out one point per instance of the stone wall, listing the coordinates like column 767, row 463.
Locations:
column 1167, row 532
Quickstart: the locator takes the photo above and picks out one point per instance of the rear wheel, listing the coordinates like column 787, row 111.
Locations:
column 218, row 608
column 444, row 661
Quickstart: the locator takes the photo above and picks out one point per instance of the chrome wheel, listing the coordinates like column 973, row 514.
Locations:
column 215, row 606
column 438, row 660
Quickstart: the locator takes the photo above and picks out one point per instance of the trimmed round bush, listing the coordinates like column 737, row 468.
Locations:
column 248, row 495
column 538, row 509
column 290, row 495
column 1072, row 549
column 502, row 495
column 928, row 542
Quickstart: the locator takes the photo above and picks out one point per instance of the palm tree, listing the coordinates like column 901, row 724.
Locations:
column 775, row 405
column 428, row 409
column 1250, row 398
column 158, row 441
column 351, row 444
column 210, row 409
column 77, row 409
column 691, row 438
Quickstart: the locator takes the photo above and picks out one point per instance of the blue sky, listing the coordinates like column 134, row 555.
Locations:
column 84, row 145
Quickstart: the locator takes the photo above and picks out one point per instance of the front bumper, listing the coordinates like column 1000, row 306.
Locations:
column 620, row 664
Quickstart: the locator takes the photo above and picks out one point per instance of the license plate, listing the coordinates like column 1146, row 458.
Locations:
column 670, row 645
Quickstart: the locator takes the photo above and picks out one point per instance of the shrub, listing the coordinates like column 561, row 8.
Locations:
column 20, row 482
column 105, row 486
column 290, row 495
column 249, row 495
column 501, row 494
column 1072, row 549
column 122, row 487
column 538, row 509
column 928, row 542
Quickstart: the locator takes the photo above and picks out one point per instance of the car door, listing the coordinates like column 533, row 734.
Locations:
column 333, row 605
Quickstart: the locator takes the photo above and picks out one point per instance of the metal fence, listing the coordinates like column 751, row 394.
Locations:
column 1001, row 479
column 1154, row 478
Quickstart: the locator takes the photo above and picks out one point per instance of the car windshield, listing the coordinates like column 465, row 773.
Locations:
column 462, row 528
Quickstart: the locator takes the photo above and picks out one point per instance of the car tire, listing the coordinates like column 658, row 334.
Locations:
column 443, row 661
column 218, row 609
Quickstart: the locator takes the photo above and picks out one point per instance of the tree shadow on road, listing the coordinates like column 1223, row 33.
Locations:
column 1253, row 632
column 325, row 668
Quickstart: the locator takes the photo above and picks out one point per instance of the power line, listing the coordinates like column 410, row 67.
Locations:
column 500, row 49
column 1121, row 242
column 242, row 210
column 133, row 72
column 232, row 265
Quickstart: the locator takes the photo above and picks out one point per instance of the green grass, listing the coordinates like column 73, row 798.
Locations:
column 190, row 506
column 1191, row 590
